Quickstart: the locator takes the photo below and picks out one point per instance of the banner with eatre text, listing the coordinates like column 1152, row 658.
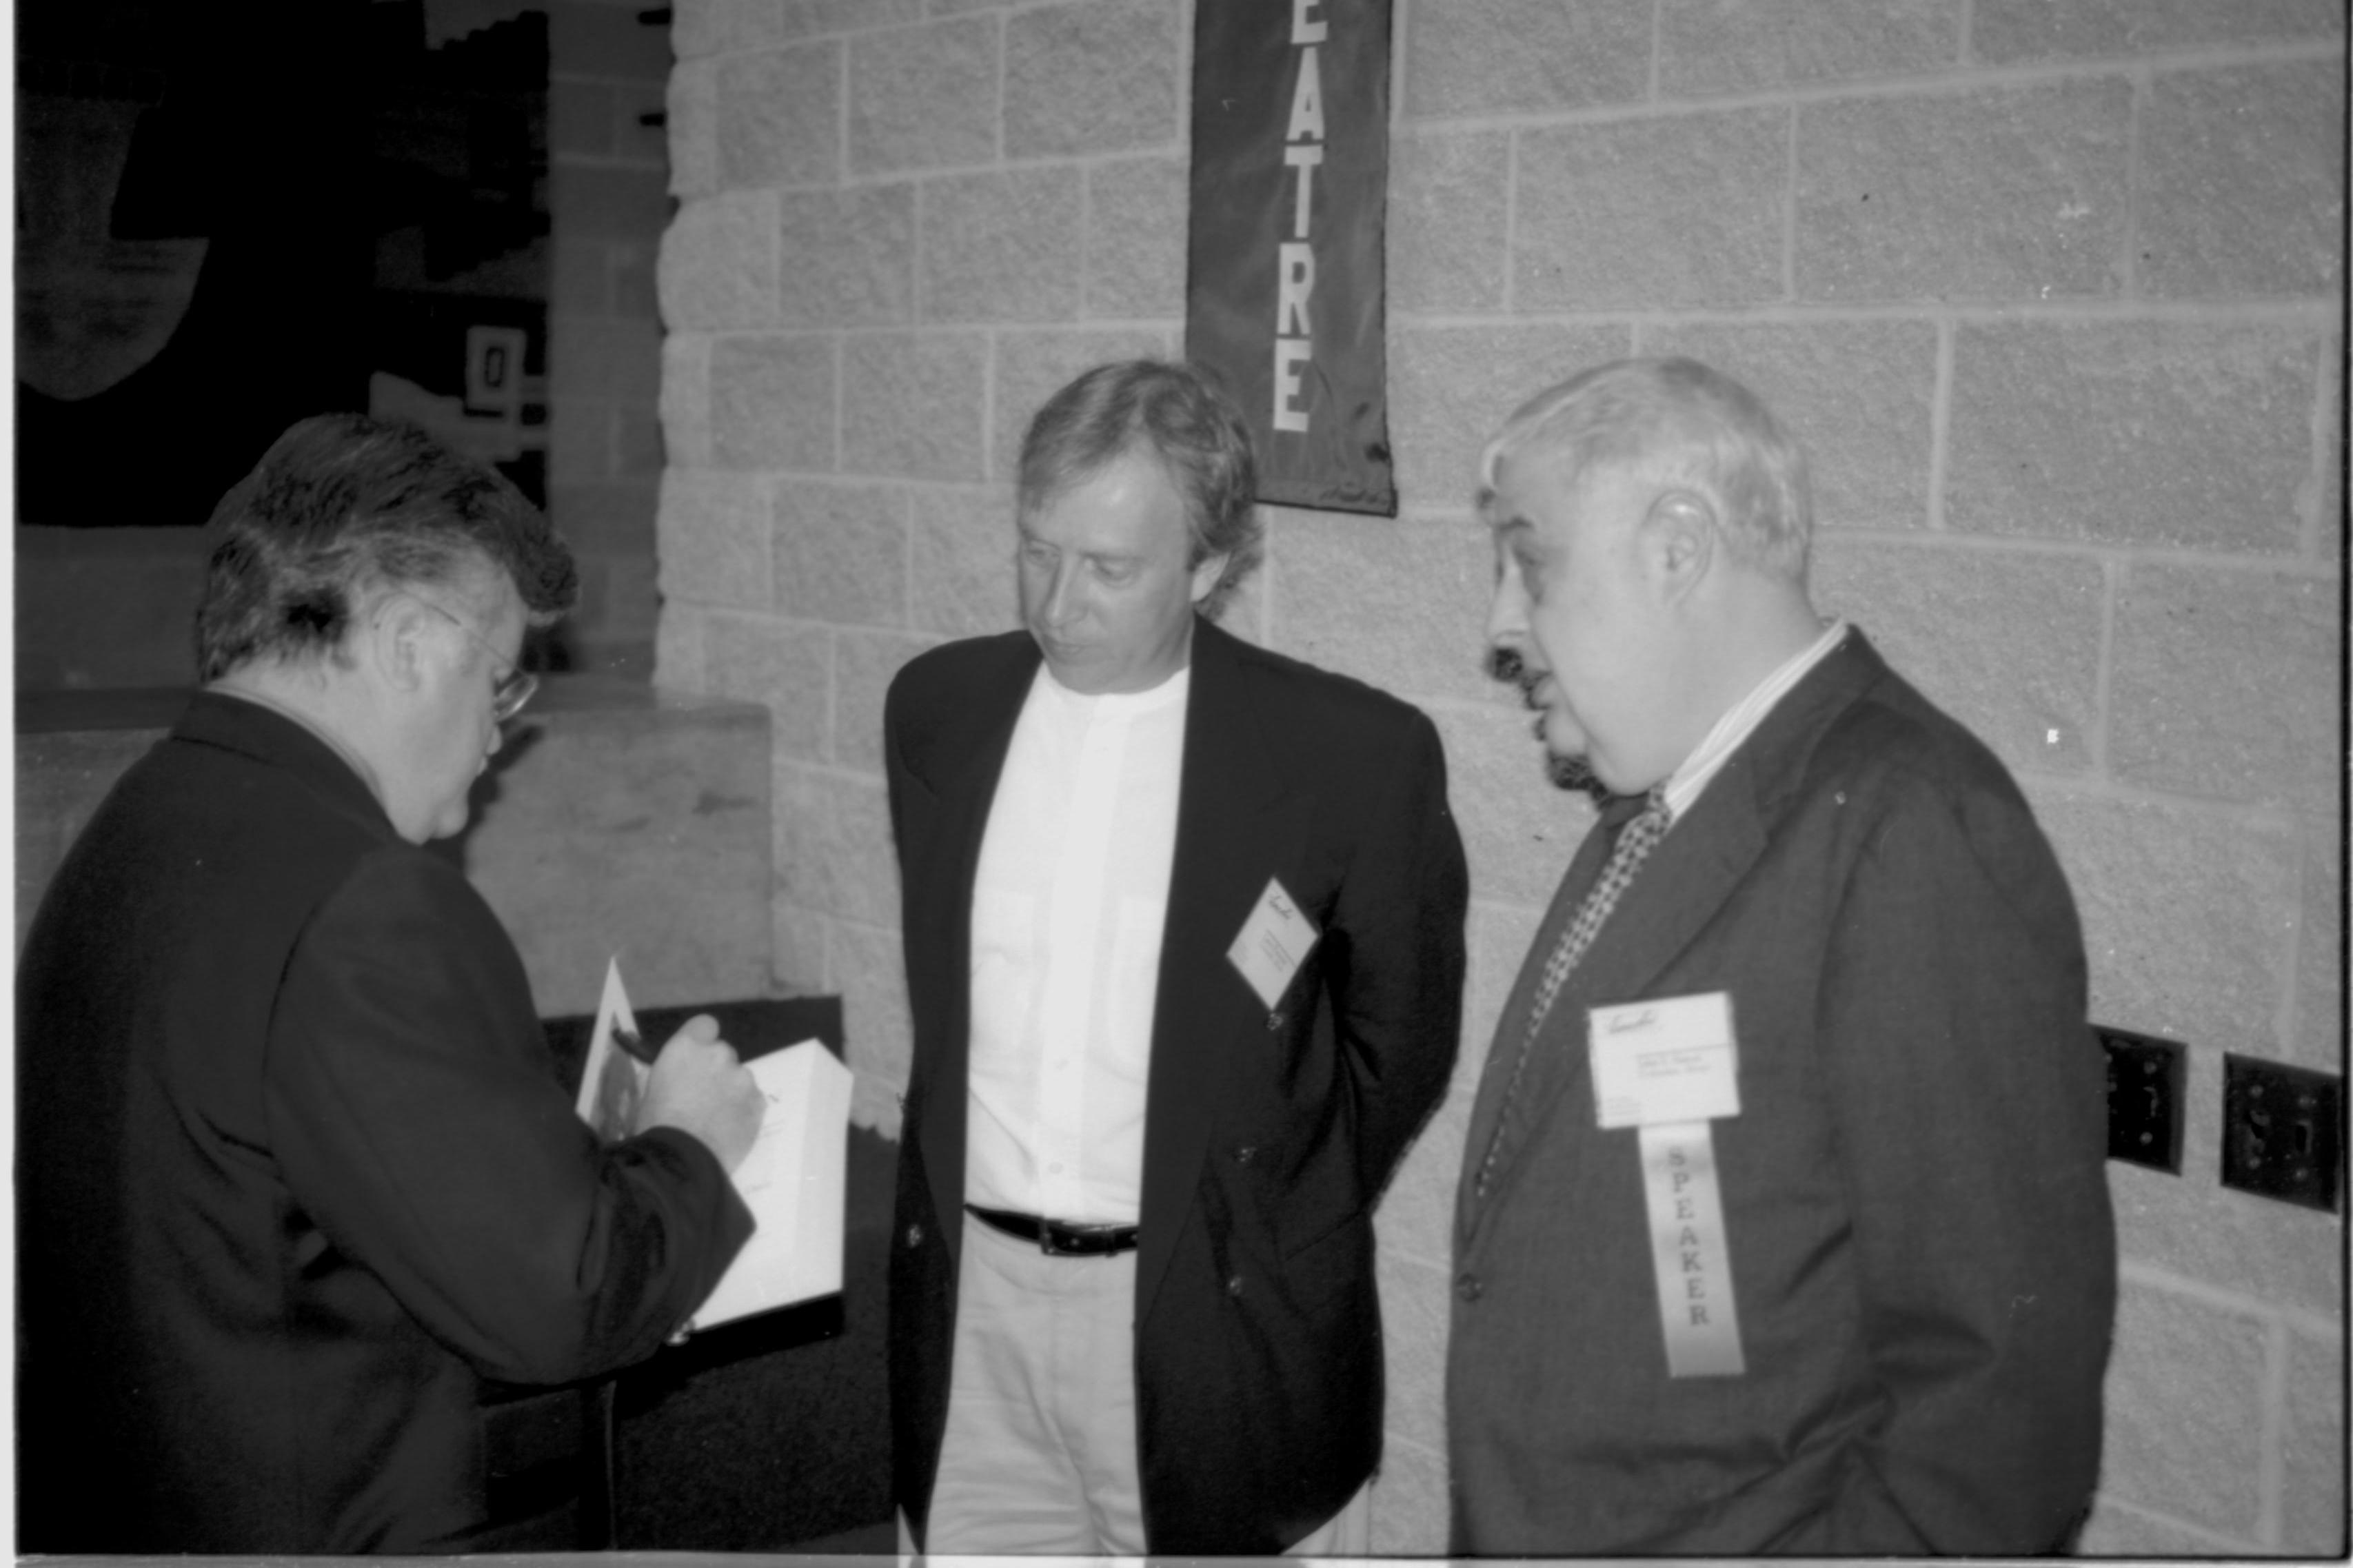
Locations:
column 1284, row 288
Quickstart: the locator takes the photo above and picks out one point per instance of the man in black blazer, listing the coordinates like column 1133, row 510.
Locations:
column 1784, row 1224
column 295, row 1175
column 1183, row 926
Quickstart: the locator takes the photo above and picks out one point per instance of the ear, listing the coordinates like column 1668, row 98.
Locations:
column 398, row 639
column 1206, row 574
column 1680, row 542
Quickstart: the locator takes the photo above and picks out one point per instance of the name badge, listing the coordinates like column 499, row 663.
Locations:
column 1272, row 943
column 1664, row 1063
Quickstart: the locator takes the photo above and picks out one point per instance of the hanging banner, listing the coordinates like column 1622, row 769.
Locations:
column 1284, row 284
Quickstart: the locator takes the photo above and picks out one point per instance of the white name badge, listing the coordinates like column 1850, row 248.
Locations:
column 1272, row 943
column 1666, row 1062
column 1694, row 1266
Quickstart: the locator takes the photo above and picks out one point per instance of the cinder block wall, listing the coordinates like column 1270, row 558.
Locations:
column 2051, row 287
column 608, row 199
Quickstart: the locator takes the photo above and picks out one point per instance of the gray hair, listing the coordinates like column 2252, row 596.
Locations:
column 1178, row 416
column 1682, row 423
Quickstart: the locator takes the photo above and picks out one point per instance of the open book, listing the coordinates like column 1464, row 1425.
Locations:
column 794, row 1180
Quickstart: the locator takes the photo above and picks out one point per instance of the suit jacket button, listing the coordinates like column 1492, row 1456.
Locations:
column 1234, row 1286
column 1245, row 1154
column 1274, row 1020
column 914, row 1235
column 1468, row 1287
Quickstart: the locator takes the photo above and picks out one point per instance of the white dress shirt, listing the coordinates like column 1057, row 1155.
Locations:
column 1068, row 905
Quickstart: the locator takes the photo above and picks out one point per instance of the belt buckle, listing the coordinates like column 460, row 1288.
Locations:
column 1059, row 1241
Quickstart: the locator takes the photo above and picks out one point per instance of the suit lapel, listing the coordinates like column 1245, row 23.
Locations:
column 1226, row 848
column 1679, row 891
column 961, row 764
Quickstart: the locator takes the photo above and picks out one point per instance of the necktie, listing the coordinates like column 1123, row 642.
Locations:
column 1641, row 821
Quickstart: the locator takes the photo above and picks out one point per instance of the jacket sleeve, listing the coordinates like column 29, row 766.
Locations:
column 1967, row 1097
column 1399, row 999
column 415, row 1116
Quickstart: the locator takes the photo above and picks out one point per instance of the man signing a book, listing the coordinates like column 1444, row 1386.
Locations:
column 295, row 1175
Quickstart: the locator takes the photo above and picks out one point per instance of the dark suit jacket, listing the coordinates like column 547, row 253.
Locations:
column 1268, row 1134
column 295, row 1174
column 1922, row 1258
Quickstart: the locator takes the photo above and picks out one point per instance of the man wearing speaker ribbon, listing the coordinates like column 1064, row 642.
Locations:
column 1783, row 1224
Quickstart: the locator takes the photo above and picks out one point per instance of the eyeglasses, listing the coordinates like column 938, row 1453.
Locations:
column 512, row 689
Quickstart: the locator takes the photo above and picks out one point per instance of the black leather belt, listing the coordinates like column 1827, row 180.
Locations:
column 1056, row 1238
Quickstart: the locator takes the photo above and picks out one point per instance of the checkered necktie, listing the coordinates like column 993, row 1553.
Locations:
column 1641, row 821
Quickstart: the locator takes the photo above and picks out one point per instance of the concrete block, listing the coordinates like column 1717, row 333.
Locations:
column 833, row 848
column 2325, row 524
column 2225, row 683
column 1410, row 1502
column 580, row 117
column 632, row 824
column 961, row 562
column 608, row 201
column 780, row 116
column 678, row 650
column 1519, row 832
column 2122, row 1530
column 2318, row 1036
column 1401, row 603
column 1591, row 231
column 800, row 949
column 1754, row 45
column 1097, row 76
column 871, row 975
column 2193, row 1228
column 2187, row 434
column 1449, row 209
column 1496, row 56
column 797, row 18
column 848, row 257
column 1136, row 215
column 2010, row 32
column 787, row 664
column 2008, row 643
column 2188, row 914
column 606, row 517
column 692, row 105
column 718, row 263
column 712, row 538
column 612, row 41
column 912, row 404
column 2312, row 1449
column 2184, row 1429
column 924, row 97
column 1997, row 192
column 1031, row 366
column 864, row 663
column 685, row 403
column 1415, row 1303
column 841, row 551
column 1417, row 1213
column 772, row 402
column 1859, row 396
column 1002, row 246
column 2243, row 182
column 699, row 28
column 1451, row 389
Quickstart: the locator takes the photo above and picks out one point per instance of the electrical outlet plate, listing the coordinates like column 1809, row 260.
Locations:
column 2145, row 1098
column 2283, row 1131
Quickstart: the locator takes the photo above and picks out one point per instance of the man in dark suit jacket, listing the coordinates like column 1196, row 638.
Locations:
column 295, row 1174
column 1230, row 1121
column 1783, row 1224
